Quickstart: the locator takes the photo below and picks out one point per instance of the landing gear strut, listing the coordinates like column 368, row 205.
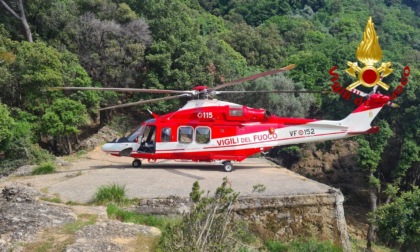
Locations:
column 227, row 166
column 136, row 163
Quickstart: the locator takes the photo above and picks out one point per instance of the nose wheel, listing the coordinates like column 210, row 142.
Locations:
column 227, row 166
column 136, row 163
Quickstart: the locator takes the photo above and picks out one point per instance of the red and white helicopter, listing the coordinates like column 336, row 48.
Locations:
column 210, row 130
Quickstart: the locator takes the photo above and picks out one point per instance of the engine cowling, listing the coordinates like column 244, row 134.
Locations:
column 244, row 113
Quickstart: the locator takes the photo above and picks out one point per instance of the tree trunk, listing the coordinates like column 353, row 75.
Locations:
column 373, row 206
column 26, row 28
column 69, row 144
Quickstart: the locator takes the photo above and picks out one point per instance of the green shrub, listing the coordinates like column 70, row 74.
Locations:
column 289, row 155
column 45, row 168
column 208, row 226
column 38, row 155
column 398, row 223
column 110, row 194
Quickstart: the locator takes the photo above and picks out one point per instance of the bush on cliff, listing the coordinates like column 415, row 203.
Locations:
column 208, row 226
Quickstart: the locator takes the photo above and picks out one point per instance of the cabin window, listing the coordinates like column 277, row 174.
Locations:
column 185, row 134
column 202, row 135
column 166, row 135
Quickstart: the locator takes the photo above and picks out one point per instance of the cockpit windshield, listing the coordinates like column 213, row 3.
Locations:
column 136, row 133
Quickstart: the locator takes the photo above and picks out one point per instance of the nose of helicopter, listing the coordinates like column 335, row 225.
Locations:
column 111, row 147
column 117, row 148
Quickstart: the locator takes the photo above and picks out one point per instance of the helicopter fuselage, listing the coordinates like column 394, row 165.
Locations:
column 213, row 130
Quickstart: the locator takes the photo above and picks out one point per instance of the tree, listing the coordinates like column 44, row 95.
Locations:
column 21, row 16
column 49, row 19
column 369, row 156
column 398, row 222
column 17, row 140
column 290, row 105
column 62, row 119
column 178, row 57
column 260, row 47
column 112, row 53
column 6, row 126
column 37, row 67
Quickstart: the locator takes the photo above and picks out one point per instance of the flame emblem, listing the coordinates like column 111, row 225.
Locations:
column 369, row 53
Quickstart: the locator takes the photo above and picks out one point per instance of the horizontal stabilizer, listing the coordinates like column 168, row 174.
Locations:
column 372, row 130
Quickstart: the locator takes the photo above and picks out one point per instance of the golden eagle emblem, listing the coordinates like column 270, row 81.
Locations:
column 369, row 53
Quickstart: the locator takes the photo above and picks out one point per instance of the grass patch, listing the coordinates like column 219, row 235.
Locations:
column 82, row 221
column 114, row 212
column 110, row 194
column 45, row 168
column 53, row 200
column 358, row 244
column 300, row 245
column 74, row 203
column 58, row 238
column 276, row 246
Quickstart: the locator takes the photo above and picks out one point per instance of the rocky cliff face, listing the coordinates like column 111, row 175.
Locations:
column 22, row 216
column 27, row 223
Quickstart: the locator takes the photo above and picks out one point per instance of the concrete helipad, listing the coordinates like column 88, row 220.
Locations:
column 79, row 182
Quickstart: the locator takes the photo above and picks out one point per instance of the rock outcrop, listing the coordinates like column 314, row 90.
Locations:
column 22, row 216
column 25, row 218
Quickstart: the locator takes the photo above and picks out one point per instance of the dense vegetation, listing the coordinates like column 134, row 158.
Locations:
column 182, row 43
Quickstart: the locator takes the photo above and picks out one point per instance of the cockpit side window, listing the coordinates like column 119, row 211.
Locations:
column 133, row 136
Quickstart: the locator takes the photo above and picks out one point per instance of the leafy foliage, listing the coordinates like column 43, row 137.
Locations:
column 399, row 222
column 289, row 155
column 112, row 53
column 6, row 125
column 370, row 151
column 16, row 137
column 62, row 119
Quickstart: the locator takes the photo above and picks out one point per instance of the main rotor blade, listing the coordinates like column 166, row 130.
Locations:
column 253, row 77
column 145, row 101
column 136, row 90
column 274, row 91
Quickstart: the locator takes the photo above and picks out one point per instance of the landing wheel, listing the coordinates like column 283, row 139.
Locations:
column 227, row 166
column 136, row 163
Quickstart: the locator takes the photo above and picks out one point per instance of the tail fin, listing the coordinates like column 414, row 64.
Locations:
column 358, row 122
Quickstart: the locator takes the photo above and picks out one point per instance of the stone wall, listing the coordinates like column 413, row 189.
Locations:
column 285, row 218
